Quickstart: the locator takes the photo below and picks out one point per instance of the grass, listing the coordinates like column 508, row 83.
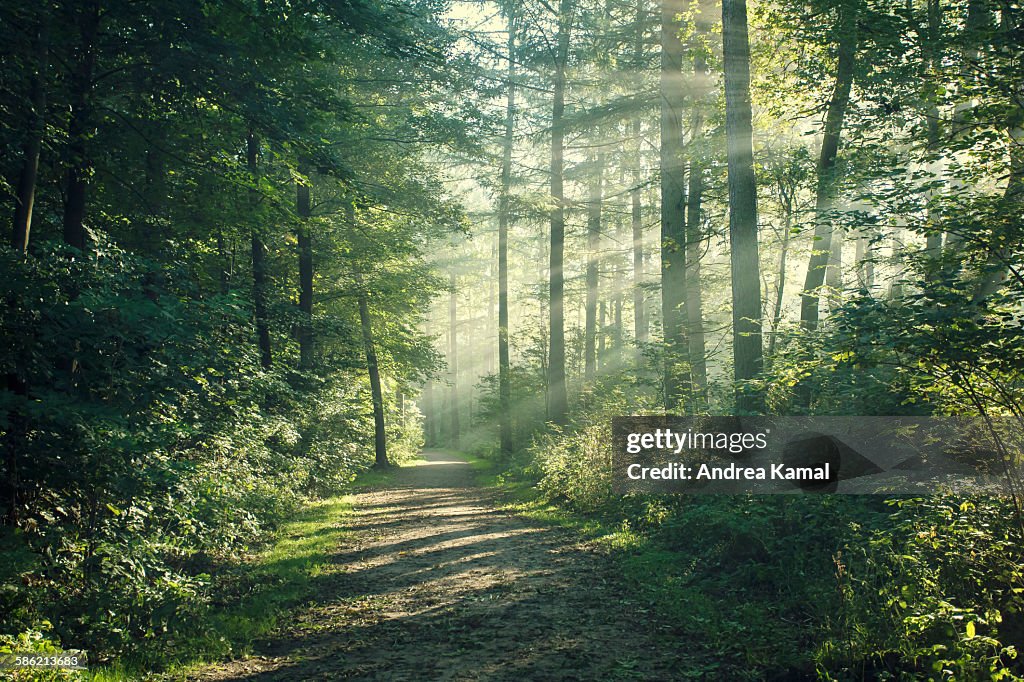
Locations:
column 271, row 583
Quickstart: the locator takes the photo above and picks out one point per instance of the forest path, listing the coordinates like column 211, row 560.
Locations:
column 437, row 584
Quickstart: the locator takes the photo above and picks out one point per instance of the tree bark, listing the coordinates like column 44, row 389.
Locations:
column 593, row 271
column 504, row 218
column 746, row 278
column 780, row 288
column 303, row 207
column 834, row 117
column 259, row 265
column 380, row 441
column 25, row 195
column 639, row 300
column 636, row 222
column 694, row 230
column 673, row 202
column 453, row 356
column 618, row 291
column 558, row 400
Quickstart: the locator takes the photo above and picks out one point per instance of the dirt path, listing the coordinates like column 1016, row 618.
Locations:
column 438, row 584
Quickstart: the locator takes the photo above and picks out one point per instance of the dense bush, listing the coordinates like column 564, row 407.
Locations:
column 936, row 592
column 154, row 449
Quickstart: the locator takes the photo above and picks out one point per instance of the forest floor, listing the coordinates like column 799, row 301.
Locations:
column 434, row 581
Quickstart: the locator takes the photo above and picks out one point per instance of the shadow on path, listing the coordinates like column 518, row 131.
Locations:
column 437, row 584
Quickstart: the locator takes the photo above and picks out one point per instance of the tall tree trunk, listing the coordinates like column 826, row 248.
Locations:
column 780, row 287
column 637, row 229
column 25, row 195
column 834, row 269
column 453, row 355
column 746, row 277
column 694, row 296
column 639, row 300
column 380, row 441
column 491, row 328
column 618, row 291
column 593, row 273
column 304, row 209
column 636, row 217
column 834, row 117
column 504, row 362
column 558, row 399
column 673, row 202
column 259, row 265
column 429, row 415
column 79, row 166
column 694, row 228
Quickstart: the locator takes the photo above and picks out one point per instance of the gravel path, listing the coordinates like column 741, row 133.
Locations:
column 437, row 584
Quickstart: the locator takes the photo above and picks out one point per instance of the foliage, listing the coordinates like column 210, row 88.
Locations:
column 157, row 453
column 935, row 592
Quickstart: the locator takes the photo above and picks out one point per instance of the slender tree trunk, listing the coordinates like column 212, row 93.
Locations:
column 695, row 233
column 834, row 117
column 558, row 400
column 492, row 298
column 637, row 229
column 453, row 356
column 636, row 217
column 694, row 295
column 593, row 273
column 618, row 291
column 79, row 166
column 899, row 268
column 746, row 277
column 380, row 441
column 780, row 287
column 304, row 209
column 429, row 416
column 259, row 265
column 865, row 266
column 834, row 269
column 24, row 198
column 673, row 202
column 504, row 218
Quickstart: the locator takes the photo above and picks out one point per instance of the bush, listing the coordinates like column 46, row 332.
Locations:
column 152, row 448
